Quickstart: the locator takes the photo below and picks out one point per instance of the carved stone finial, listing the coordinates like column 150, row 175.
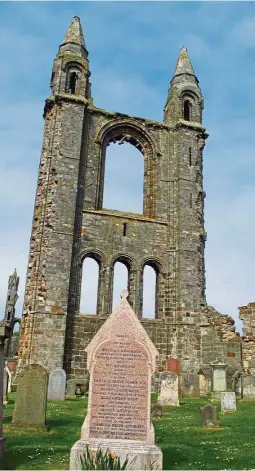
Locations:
column 123, row 295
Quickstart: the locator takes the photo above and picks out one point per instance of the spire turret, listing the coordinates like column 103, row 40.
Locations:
column 184, row 65
column 75, row 33
column 184, row 99
column 70, row 74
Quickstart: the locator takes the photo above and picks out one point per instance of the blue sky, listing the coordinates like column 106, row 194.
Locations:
column 133, row 48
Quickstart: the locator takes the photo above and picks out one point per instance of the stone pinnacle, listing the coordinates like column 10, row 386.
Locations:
column 74, row 33
column 184, row 65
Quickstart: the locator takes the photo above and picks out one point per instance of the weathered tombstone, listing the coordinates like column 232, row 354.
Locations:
column 31, row 397
column 57, row 385
column 237, row 382
column 228, row 402
column 9, row 377
column 249, row 387
column 5, row 388
column 157, row 411
column 210, row 416
column 168, row 389
column 202, row 384
column 70, row 388
column 154, row 381
column 219, row 379
column 120, row 358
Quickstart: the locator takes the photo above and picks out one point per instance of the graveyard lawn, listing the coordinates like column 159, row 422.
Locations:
column 184, row 443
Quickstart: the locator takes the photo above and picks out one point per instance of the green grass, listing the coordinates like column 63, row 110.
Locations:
column 185, row 444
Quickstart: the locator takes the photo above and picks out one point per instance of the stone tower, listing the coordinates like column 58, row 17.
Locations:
column 70, row 223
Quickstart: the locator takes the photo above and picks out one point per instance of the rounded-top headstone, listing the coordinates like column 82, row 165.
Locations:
column 57, row 385
column 31, row 396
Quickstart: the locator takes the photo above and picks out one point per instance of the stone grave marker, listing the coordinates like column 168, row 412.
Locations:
column 249, row 387
column 168, row 389
column 9, row 377
column 57, row 385
column 157, row 411
column 219, row 379
column 31, row 397
column 155, row 381
column 210, row 416
column 228, row 402
column 5, row 388
column 121, row 359
column 70, row 388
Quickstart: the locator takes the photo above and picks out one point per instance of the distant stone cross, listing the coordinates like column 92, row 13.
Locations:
column 123, row 295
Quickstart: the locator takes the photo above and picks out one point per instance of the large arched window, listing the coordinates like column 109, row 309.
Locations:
column 89, row 286
column 149, row 292
column 123, row 179
column 120, row 282
column 134, row 168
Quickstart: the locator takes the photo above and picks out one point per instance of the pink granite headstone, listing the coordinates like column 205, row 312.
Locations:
column 121, row 359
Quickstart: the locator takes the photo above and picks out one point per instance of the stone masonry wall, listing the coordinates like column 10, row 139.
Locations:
column 71, row 224
column 247, row 315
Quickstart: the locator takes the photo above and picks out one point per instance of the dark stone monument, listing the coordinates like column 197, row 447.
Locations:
column 31, row 397
column 57, row 385
column 210, row 416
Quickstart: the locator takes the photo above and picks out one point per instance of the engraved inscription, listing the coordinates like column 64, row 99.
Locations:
column 119, row 404
column 219, row 379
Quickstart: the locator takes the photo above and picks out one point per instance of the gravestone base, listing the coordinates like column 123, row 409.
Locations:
column 67, row 396
column 144, row 456
column 43, row 428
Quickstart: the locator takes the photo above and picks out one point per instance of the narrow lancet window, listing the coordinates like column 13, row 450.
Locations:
column 72, row 83
column 186, row 110
column 190, row 157
column 89, row 286
column 149, row 292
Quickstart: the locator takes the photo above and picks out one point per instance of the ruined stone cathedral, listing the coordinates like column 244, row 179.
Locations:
column 70, row 224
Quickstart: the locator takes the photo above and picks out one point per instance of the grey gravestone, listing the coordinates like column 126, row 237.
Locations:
column 237, row 383
column 248, row 387
column 57, row 385
column 70, row 388
column 209, row 415
column 228, row 402
column 31, row 397
column 154, row 381
column 5, row 388
column 219, row 379
column 168, row 389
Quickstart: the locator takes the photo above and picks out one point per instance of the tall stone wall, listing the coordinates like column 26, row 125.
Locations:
column 247, row 315
column 70, row 224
